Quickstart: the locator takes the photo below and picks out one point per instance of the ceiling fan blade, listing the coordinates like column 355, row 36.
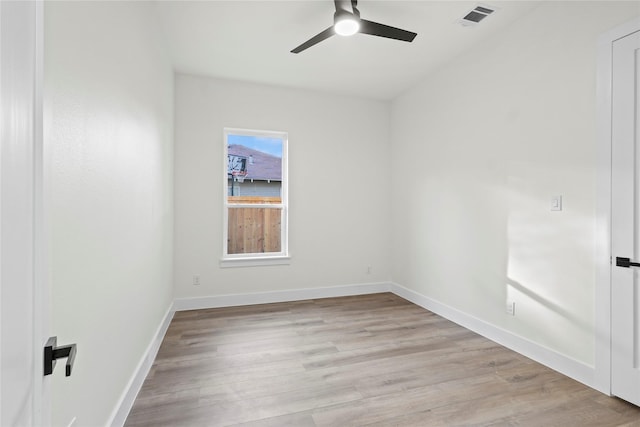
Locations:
column 381, row 30
column 315, row 40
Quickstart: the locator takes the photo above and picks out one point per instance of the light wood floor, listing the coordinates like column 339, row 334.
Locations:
column 374, row 360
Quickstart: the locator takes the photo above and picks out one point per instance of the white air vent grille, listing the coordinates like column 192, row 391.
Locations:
column 476, row 15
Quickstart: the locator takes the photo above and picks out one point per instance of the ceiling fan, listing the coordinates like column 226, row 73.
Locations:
column 347, row 21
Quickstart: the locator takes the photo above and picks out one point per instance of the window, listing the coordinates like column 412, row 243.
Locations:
column 255, row 198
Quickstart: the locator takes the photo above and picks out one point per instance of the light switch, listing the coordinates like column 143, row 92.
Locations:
column 556, row 203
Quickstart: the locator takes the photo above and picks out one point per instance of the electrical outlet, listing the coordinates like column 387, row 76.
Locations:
column 369, row 270
column 511, row 308
column 196, row 280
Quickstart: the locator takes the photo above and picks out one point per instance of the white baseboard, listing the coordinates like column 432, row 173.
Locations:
column 121, row 411
column 550, row 358
column 181, row 304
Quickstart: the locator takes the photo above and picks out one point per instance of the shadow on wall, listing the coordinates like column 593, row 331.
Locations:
column 518, row 292
column 550, row 254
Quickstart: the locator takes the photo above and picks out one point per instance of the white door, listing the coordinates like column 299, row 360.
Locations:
column 625, row 214
column 23, row 390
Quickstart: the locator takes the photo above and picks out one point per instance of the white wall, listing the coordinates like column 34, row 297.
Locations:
column 339, row 186
column 494, row 135
column 109, row 122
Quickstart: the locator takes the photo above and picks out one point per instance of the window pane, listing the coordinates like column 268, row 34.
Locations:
column 254, row 230
column 254, row 169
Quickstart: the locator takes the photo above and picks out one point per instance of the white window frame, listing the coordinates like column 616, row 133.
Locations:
column 257, row 259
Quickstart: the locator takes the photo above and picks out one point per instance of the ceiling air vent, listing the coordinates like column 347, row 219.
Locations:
column 476, row 15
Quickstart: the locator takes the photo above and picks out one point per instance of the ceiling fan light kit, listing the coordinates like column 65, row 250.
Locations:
column 347, row 22
column 346, row 25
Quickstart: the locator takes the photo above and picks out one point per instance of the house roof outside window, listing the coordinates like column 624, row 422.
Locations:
column 260, row 166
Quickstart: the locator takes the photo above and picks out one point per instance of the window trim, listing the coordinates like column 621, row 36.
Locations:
column 257, row 259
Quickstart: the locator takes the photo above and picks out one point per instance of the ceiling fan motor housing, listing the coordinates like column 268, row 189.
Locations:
column 343, row 13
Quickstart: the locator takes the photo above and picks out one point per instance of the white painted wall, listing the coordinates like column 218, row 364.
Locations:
column 339, row 186
column 109, row 121
column 495, row 135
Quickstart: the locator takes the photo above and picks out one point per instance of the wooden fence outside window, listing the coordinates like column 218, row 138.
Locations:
column 254, row 230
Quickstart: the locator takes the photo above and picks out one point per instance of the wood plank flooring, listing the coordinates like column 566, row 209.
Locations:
column 371, row 360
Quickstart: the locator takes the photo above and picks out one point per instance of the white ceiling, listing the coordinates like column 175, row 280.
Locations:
column 252, row 40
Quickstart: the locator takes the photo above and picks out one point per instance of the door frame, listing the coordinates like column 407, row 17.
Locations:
column 603, row 255
column 42, row 231
column 40, row 404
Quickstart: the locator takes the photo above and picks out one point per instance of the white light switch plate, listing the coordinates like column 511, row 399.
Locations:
column 556, row 203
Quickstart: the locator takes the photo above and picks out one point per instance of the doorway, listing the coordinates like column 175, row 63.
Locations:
column 625, row 220
column 618, row 290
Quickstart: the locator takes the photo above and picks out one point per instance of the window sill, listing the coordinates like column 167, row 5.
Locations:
column 255, row 261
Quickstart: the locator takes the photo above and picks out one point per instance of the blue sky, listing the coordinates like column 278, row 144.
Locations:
column 271, row 146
